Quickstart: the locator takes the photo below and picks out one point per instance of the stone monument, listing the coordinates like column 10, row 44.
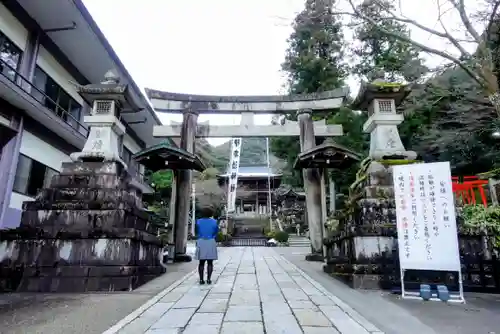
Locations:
column 88, row 231
column 361, row 252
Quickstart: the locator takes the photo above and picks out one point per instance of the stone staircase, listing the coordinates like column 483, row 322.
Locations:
column 295, row 241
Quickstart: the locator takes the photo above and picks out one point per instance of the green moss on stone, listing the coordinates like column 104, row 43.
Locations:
column 492, row 174
column 398, row 162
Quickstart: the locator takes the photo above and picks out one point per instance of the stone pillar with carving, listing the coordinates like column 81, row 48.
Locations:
column 312, row 187
column 183, row 184
column 87, row 231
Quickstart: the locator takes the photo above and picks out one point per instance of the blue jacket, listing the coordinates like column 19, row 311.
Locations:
column 206, row 228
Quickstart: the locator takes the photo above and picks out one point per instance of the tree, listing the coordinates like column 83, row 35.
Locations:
column 161, row 179
column 209, row 174
column 355, row 139
column 377, row 52
column 480, row 65
column 314, row 62
column 210, row 193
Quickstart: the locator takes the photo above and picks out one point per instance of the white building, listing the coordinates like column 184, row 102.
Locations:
column 45, row 45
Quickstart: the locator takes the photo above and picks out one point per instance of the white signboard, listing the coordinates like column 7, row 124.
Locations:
column 234, row 166
column 426, row 222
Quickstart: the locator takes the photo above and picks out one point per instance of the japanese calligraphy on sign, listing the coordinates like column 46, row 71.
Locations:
column 234, row 165
column 425, row 213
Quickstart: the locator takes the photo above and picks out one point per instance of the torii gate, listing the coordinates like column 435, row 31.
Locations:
column 190, row 106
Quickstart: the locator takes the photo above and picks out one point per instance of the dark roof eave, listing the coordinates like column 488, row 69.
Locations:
column 360, row 102
column 303, row 157
column 199, row 165
column 93, row 25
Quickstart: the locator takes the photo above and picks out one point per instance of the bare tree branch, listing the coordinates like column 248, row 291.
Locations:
column 492, row 19
column 453, row 40
column 460, row 6
column 357, row 14
column 403, row 19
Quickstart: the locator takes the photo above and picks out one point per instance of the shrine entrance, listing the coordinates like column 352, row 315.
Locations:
column 191, row 106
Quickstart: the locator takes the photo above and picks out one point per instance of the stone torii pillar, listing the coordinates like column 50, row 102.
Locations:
column 183, row 182
column 312, row 186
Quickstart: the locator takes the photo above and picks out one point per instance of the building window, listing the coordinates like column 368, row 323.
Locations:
column 10, row 56
column 31, row 176
column 52, row 96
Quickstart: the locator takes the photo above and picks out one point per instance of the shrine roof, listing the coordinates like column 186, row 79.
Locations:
column 290, row 192
column 380, row 90
column 327, row 155
column 166, row 156
column 253, row 172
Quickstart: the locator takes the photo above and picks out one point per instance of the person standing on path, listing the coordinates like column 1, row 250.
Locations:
column 206, row 229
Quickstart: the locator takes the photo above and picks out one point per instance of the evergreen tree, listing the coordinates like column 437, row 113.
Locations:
column 313, row 63
column 314, row 60
column 376, row 52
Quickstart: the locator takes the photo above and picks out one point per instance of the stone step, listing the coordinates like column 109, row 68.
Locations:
column 299, row 241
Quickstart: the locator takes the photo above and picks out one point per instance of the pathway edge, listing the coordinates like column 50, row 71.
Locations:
column 138, row 311
column 355, row 315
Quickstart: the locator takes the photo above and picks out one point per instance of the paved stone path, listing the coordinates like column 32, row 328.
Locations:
column 254, row 290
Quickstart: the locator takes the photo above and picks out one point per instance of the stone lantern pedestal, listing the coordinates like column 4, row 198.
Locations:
column 364, row 252
column 88, row 231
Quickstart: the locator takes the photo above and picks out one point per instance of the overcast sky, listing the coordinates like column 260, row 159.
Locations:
column 220, row 47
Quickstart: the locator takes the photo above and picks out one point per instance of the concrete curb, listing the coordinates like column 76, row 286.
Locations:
column 137, row 312
column 371, row 328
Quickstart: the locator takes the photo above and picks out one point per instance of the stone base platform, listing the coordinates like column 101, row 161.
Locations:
column 361, row 281
column 314, row 257
column 87, row 231
column 77, row 265
column 86, row 278
column 182, row 258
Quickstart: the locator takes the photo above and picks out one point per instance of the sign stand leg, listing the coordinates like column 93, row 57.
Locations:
column 461, row 286
column 402, row 274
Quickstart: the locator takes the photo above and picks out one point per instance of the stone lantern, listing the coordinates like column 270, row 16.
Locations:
column 87, row 230
column 380, row 99
column 109, row 99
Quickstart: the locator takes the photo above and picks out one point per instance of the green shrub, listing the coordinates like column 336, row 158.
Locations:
column 219, row 237
column 223, row 238
column 270, row 234
column 281, row 236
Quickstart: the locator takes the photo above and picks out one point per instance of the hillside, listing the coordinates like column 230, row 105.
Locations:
column 253, row 152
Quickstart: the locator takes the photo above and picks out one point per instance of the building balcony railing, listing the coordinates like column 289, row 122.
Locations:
column 37, row 94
